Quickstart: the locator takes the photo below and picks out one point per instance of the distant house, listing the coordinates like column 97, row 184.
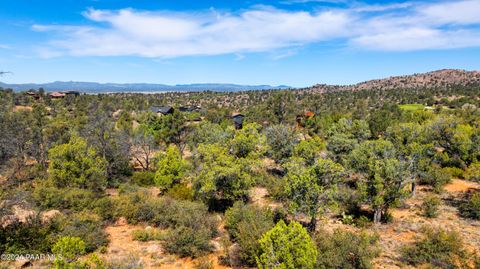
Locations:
column 56, row 95
column 189, row 108
column 33, row 94
column 238, row 120
column 74, row 93
column 162, row 110
column 300, row 118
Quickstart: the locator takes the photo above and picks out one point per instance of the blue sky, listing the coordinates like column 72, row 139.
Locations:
column 289, row 42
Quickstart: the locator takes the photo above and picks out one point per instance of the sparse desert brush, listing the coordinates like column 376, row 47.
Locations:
column 204, row 263
column 430, row 206
column 470, row 208
column 437, row 247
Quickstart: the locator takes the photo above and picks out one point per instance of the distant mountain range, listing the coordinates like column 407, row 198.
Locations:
column 435, row 79
column 93, row 87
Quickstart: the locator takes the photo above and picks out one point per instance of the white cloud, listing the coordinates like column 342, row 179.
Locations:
column 393, row 27
column 150, row 34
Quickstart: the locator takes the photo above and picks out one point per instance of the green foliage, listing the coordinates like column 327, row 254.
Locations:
column 147, row 235
column 309, row 149
column 180, row 192
column 281, row 140
column 50, row 197
column 89, row 228
column 384, row 175
column 287, row 247
column 192, row 227
column 307, row 191
column 437, row 247
column 33, row 236
column 345, row 250
column 76, row 165
column 412, row 107
column 246, row 224
column 430, row 206
column 67, row 250
column 143, row 179
column 248, row 142
column 222, row 178
column 187, row 241
column 471, row 207
column 170, row 168
column 473, row 172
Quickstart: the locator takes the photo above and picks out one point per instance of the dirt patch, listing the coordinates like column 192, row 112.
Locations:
column 408, row 222
column 150, row 253
column 259, row 197
column 459, row 185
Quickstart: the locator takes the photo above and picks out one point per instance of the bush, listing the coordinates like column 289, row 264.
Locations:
column 128, row 262
column 240, row 212
column 147, row 235
column 33, row 236
column 246, row 225
column 345, row 249
column 105, row 208
column 89, row 229
column 453, row 172
column 437, row 247
column 67, row 250
column 430, row 206
column 204, row 263
column 187, row 241
column 471, row 207
column 473, row 172
column 143, row 179
column 171, row 168
column 180, row 192
column 287, row 247
column 50, row 197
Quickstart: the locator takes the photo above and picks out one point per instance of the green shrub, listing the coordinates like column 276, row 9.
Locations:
column 88, row 228
column 437, row 247
column 180, row 192
column 105, row 208
column 241, row 212
column 204, row 263
column 67, row 250
column 171, row 168
column 143, row 179
column 471, row 207
column 32, row 236
column 453, row 172
column 473, row 172
column 188, row 241
column 287, row 247
column 344, row 249
column 430, row 206
column 50, row 197
column 148, row 235
column 246, row 225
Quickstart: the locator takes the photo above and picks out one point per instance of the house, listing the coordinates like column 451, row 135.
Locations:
column 300, row 118
column 162, row 110
column 56, row 95
column 189, row 109
column 238, row 120
column 33, row 94
column 74, row 93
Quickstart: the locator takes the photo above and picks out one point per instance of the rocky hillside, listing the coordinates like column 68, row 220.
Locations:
column 435, row 79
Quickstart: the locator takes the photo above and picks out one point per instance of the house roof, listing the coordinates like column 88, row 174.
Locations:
column 237, row 115
column 57, row 94
column 162, row 109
